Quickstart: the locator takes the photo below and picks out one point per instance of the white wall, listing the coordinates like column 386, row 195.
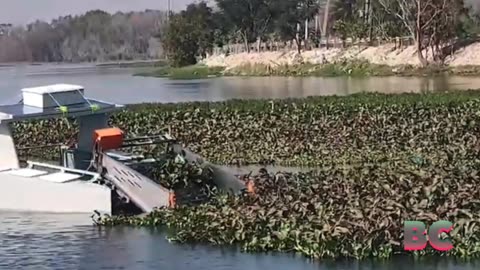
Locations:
column 8, row 154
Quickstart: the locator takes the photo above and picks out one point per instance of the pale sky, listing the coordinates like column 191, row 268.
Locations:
column 24, row 11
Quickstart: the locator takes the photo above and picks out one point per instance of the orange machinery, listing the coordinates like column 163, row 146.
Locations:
column 108, row 138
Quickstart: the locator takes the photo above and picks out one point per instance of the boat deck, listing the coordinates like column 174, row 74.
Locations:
column 51, row 173
column 48, row 188
column 20, row 111
column 58, row 177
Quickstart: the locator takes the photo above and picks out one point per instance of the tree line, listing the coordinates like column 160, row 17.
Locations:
column 94, row 36
column 436, row 26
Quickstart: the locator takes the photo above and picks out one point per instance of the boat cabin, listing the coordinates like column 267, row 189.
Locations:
column 72, row 187
column 44, row 187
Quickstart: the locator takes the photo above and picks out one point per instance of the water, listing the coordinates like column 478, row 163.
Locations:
column 116, row 84
column 46, row 241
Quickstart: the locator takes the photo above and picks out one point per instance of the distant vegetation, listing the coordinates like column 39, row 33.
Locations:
column 94, row 36
column 435, row 26
column 184, row 73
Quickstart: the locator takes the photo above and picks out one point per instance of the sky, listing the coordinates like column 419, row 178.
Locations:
column 25, row 11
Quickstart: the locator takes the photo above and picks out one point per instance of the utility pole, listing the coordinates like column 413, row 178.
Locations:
column 325, row 22
column 306, row 33
column 369, row 11
column 325, row 17
column 169, row 9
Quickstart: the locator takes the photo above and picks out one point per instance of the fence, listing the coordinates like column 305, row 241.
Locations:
column 271, row 46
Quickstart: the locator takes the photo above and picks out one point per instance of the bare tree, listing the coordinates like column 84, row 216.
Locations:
column 429, row 22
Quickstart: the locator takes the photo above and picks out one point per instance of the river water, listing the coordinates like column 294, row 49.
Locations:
column 44, row 241
column 115, row 84
column 47, row 241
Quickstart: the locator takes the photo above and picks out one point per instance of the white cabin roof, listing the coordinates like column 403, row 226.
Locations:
column 54, row 88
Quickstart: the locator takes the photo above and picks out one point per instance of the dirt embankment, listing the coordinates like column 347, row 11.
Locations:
column 384, row 54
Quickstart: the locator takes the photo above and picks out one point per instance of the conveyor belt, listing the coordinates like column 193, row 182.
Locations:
column 223, row 176
column 144, row 192
column 141, row 190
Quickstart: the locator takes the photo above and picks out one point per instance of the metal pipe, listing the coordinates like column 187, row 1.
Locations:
column 94, row 176
column 40, row 147
column 169, row 9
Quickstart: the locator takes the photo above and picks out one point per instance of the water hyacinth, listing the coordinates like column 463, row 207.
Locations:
column 380, row 159
column 301, row 132
column 191, row 182
column 340, row 212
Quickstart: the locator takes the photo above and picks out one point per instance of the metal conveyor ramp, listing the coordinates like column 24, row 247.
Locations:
column 123, row 170
column 141, row 190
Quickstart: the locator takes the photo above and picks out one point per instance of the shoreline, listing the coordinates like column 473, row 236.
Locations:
column 387, row 54
column 341, row 69
column 122, row 64
column 133, row 63
column 380, row 61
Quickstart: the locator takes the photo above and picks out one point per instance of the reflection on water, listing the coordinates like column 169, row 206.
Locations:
column 49, row 241
column 118, row 85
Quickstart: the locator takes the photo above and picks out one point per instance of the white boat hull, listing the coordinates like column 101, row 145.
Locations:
column 34, row 195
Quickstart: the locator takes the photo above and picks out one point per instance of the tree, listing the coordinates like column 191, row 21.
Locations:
column 384, row 24
column 431, row 23
column 180, row 42
column 351, row 19
column 346, row 10
column 222, row 33
column 251, row 19
column 94, row 36
column 190, row 34
column 290, row 16
column 201, row 16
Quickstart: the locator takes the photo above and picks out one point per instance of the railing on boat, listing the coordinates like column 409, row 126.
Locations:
column 94, row 176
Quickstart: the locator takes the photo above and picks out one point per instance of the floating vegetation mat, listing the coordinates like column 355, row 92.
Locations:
column 192, row 183
column 340, row 212
column 300, row 132
column 381, row 159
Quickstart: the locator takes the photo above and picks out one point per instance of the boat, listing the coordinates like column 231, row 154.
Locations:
column 94, row 175
column 43, row 187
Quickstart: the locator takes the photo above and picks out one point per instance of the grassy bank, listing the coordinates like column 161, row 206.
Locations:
column 356, row 68
column 135, row 64
column 350, row 68
column 381, row 160
column 183, row 73
column 342, row 68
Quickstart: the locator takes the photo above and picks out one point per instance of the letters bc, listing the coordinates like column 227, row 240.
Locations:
column 415, row 235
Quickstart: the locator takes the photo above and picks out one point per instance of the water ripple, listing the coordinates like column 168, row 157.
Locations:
column 48, row 241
